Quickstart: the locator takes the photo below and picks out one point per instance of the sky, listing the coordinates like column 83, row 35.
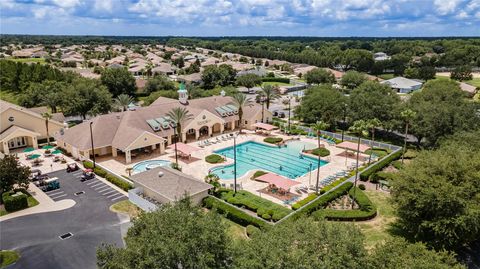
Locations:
column 382, row 18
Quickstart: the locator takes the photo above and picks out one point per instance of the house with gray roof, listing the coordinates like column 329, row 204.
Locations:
column 403, row 85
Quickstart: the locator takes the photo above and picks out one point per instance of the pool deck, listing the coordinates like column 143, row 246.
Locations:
column 199, row 169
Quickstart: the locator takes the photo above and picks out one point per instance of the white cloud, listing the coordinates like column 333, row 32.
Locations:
column 445, row 7
column 66, row 3
column 103, row 5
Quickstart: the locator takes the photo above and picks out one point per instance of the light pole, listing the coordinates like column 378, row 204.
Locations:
column 234, row 163
column 344, row 119
column 93, row 150
column 175, row 142
column 289, row 109
column 262, row 101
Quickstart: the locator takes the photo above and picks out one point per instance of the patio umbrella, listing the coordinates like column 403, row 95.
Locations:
column 57, row 151
column 35, row 156
column 48, row 147
column 28, row 150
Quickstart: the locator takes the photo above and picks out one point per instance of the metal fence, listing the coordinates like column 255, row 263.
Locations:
column 134, row 195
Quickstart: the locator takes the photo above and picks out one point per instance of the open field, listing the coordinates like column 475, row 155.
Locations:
column 275, row 83
column 29, row 60
column 474, row 82
column 126, row 207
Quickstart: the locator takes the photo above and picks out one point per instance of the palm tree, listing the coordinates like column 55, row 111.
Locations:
column 269, row 93
column 240, row 101
column 122, row 101
column 178, row 116
column 47, row 116
column 360, row 128
column 318, row 127
column 372, row 124
column 407, row 115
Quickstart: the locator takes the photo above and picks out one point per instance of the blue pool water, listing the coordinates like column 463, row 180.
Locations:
column 145, row 165
column 285, row 161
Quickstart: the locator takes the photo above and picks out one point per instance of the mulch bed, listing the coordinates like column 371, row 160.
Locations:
column 285, row 197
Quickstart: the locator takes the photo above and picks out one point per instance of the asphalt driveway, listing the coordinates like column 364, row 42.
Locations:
column 90, row 221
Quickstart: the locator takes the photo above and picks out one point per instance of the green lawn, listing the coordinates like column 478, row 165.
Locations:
column 31, row 203
column 126, row 207
column 474, row 82
column 235, row 230
column 376, row 230
column 9, row 96
column 275, row 83
column 386, row 76
column 29, row 60
column 8, row 257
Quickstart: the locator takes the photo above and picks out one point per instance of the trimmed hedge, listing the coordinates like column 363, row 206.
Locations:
column 323, row 200
column 122, row 184
column 387, row 176
column 14, row 203
column 366, row 211
column 264, row 208
column 323, row 152
column 304, row 201
column 337, row 141
column 273, row 79
column 362, row 187
column 273, row 140
column 214, row 158
column 365, row 175
column 252, row 230
column 232, row 212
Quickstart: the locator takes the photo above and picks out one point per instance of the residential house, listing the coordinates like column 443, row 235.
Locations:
column 403, row 85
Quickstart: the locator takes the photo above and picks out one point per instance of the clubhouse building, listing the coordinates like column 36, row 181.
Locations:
column 149, row 129
column 25, row 127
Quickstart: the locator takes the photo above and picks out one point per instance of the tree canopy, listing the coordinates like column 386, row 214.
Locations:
column 352, row 79
column 249, row 80
column 12, row 173
column 222, row 75
column 118, row 81
column 318, row 76
column 159, row 83
column 321, row 103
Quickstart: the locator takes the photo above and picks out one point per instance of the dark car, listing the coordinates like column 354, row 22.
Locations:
column 72, row 167
column 87, row 175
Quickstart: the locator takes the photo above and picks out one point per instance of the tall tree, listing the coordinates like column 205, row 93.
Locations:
column 319, row 76
column 462, row 73
column 360, row 128
column 179, row 115
column 372, row 125
column 12, row 173
column 269, row 93
column 88, row 97
column 241, row 101
column 178, row 236
column 47, row 116
column 159, row 83
column 352, row 79
column 118, row 81
column 318, row 127
column 249, row 80
column 407, row 115
column 321, row 103
column 122, row 101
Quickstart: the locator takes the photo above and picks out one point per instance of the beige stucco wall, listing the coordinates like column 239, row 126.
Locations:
column 267, row 117
column 145, row 140
column 29, row 122
column 205, row 118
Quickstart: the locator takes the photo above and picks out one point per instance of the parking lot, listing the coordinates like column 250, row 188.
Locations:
column 67, row 238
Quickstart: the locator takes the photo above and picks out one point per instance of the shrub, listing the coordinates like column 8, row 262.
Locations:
column 387, row 176
column 323, row 152
column 266, row 216
column 367, row 210
column 233, row 213
column 365, row 175
column 176, row 166
column 273, row 140
column 252, row 230
column 258, row 174
column 397, row 164
column 337, row 141
column 214, row 158
column 14, row 203
column 362, row 187
column 304, row 201
column 254, row 203
column 273, row 79
column 119, row 182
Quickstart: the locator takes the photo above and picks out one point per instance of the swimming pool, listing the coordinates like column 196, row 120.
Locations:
column 147, row 165
column 286, row 161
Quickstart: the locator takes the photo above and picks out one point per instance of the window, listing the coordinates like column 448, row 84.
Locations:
column 246, row 122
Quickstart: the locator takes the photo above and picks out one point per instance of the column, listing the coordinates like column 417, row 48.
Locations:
column 35, row 143
column 114, row 152
column 233, row 125
column 210, row 130
column 6, row 150
column 222, row 128
column 197, row 134
column 184, row 137
column 162, row 147
column 128, row 157
column 154, row 146
column 169, row 140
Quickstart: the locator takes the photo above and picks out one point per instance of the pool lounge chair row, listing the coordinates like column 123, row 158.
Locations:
column 215, row 140
column 231, row 186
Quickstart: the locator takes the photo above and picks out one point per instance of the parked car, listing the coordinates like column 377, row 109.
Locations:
column 87, row 175
column 72, row 167
column 49, row 184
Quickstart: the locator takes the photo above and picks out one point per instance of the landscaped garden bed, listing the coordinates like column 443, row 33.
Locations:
column 119, row 182
column 323, row 152
column 273, row 140
column 214, row 158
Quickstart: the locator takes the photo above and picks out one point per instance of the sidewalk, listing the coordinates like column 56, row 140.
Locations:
column 45, row 204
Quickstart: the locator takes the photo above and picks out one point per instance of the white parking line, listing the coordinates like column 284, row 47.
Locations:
column 113, row 195
column 110, row 191
column 102, row 187
column 76, row 173
column 119, row 197
column 54, row 192
column 58, row 196
column 104, row 190
column 93, row 182
column 98, row 184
